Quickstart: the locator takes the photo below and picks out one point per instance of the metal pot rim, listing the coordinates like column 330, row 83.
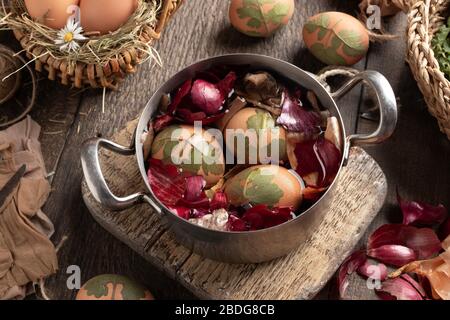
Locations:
column 319, row 90
column 99, row 188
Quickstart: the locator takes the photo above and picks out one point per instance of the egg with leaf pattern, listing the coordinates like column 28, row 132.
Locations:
column 259, row 18
column 254, row 138
column 269, row 185
column 113, row 287
column 336, row 38
column 193, row 150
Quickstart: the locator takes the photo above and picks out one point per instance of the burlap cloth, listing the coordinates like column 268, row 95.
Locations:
column 26, row 253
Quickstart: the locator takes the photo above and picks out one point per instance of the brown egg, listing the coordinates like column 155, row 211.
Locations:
column 336, row 38
column 270, row 185
column 197, row 153
column 113, row 287
column 260, row 18
column 52, row 13
column 252, row 133
column 105, row 16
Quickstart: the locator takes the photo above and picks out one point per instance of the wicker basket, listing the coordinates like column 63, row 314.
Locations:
column 94, row 75
column 425, row 17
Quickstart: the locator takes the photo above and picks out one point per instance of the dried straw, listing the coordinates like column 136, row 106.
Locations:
column 98, row 49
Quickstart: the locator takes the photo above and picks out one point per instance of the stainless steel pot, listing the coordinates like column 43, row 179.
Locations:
column 240, row 247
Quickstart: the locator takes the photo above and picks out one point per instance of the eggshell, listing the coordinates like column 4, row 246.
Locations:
column 52, row 13
column 271, row 185
column 180, row 145
column 261, row 131
column 336, row 38
column 260, row 18
column 106, row 16
column 113, row 287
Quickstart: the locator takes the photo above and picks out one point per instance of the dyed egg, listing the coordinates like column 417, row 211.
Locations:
column 105, row 16
column 253, row 137
column 52, row 13
column 336, row 38
column 196, row 152
column 260, row 18
column 270, row 185
column 113, row 287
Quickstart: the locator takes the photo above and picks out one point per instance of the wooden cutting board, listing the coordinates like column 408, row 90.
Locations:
column 300, row 275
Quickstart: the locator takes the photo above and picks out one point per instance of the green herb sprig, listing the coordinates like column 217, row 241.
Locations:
column 441, row 47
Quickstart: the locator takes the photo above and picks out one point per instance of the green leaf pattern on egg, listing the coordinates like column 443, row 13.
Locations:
column 163, row 138
column 192, row 159
column 261, row 120
column 236, row 185
column 321, row 23
column 327, row 51
column 252, row 9
column 260, row 189
column 210, row 165
column 98, row 288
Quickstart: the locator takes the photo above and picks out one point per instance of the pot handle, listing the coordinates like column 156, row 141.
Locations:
column 96, row 181
column 387, row 104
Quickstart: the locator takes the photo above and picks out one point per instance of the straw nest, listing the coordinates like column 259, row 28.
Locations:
column 101, row 61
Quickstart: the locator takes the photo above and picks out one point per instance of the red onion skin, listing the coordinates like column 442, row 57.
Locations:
column 194, row 188
column 424, row 241
column 295, row 118
column 219, row 201
column 377, row 271
column 420, row 213
column 162, row 122
column 348, row 267
column 319, row 156
column 394, row 255
column 166, row 182
column 207, row 97
column 401, row 288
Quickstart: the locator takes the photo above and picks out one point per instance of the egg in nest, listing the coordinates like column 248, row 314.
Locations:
column 52, row 13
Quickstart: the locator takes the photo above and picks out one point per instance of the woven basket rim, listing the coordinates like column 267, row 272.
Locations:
column 113, row 71
column 424, row 19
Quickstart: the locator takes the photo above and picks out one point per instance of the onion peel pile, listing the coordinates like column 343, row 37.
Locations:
column 315, row 156
column 313, row 143
column 424, row 260
column 185, row 196
column 436, row 271
column 199, row 100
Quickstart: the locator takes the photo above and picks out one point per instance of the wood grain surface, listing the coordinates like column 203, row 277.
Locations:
column 416, row 159
column 302, row 274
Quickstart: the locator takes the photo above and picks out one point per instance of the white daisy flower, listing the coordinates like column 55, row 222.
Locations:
column 69, row 35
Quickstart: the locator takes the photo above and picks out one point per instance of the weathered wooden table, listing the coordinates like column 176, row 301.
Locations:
column 416, row 159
